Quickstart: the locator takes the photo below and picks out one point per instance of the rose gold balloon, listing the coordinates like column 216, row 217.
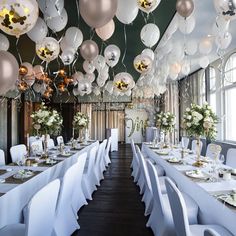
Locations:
column 106, row 31
column 97, row 13
column 89, row 50
column 9, row 70
column 185, row 7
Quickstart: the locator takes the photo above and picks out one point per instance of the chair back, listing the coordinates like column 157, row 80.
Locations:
column 69, row 182
column 195, row 146
column 60, row 140
column 91, row 159
column 102, row 161
column 2, row 158
column 18, row 152
column 185, row 142
column 210, row 232
column 213, row 150
column 156, row 188
column 33, row 139
column 178, row 209
column 41, row 210
column 36, row 146
column 51, row 143
column 135, row 156
column 231, row 158
column 144, row 168
column 108, row 147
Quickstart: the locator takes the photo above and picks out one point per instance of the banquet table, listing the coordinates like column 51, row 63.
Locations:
column 14, row 196
column 205, row 193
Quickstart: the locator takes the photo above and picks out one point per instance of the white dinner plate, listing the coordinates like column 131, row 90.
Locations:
column 23, row 175
column 174, row 160
column 163, row 153
column 228, row 199
column 196, row 174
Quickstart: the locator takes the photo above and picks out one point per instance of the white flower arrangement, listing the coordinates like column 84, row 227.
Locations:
column 200, row 121
column 47, row 121
column 166, row 121
column 80, row 121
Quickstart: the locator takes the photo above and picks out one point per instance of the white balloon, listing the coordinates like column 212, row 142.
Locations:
column 186, row 26
column 99, row 62
column 127, row 11
column 204, row 62
column 38, row 71
column 57, row 23
column 175, row 68
column 148, row 52
column 88, row 67
column 104, row 71
column 74, row 37
column 84, row 86
column 96, row 91
column 4, row 43
column 76, row 92
column 51, row 8
column 39, row 32
column 109, row 87
column 185, row 68
column 191, row 47
column 173, row 76
column 100, row 81
column 64, row 46
column 221, row 25
column 223, row 40
column 150, row 34
column 128, row 93
column 205, row 46
column 112, row 55
column 90, row 77
column 78, row 76
column 67, row 57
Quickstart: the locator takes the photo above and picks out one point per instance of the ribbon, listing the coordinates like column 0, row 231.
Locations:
column 17, row 50
column 124, row 55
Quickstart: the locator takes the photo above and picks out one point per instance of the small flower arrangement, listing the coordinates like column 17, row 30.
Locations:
column 200, row 121
column 166, row 121
column 47, row 121
column 80, row 121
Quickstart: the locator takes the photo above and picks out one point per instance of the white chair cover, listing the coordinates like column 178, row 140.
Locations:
column 213, row 151
column 103, row 160
column 135, row 163
column 2, row 158
column 78, row 198
column 147, row 196
column 40, row 214
column 231, row 158
column 51, row 143
column 89, row 177
column 108, row 147
column 60, row 140
column 36, row 147
column 66, row 221
column 210, row 232
column 18, row 152
column 33, row 139
column 180, row 218
column 185, row 142
column 195, row 146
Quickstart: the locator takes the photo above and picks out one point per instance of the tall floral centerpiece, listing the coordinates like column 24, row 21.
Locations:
column 166, row 122
column 47, row 121
column 80, row 122
column 200, row 121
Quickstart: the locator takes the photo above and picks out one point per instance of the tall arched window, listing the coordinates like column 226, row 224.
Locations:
column 212, row 92
column 229, row 99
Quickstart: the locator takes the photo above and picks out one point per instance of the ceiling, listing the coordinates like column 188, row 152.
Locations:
column 161, row 16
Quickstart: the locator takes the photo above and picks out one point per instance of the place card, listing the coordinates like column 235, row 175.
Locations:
column 12, row 180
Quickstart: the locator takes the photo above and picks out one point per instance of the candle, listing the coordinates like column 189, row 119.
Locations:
column 182, row 142
column 73, row 132
column 27, row 140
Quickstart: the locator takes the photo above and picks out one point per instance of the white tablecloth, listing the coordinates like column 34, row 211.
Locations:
column 212, row 211
column 16, row 197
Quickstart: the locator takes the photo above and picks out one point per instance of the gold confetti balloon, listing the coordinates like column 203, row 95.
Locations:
column 123, row 82
column 143, row 64
column 17, row 17
column 148, row 5
column 48, row 49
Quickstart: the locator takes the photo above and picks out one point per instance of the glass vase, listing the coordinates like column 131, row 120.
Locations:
column 198, row 162
column 45, row 146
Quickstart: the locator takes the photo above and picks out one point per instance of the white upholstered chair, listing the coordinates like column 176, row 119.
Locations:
column 185, row 142
column 194, row 147
column 180, row 218
column 231, row 158
column 213, row 150
column 89, row 178
column 65, row 218
column 107, row 150
column 60, row 140
column 36, row 147
column 40, row 214
column 135, row 163
column 51, row 143
column 2, row 158
column 18, row 152
column 210, row 232
column 161, row 220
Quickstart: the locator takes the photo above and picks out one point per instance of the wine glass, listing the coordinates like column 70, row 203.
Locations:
column 221, row 159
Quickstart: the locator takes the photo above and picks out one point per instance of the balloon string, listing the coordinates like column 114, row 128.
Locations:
column 33, row 59
column 102, row 45
column 92, row 31
column 76, row 59
column 153, row 17
column 78, row 12
column 124, row 55
column 144, row 18
column 18, row 52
